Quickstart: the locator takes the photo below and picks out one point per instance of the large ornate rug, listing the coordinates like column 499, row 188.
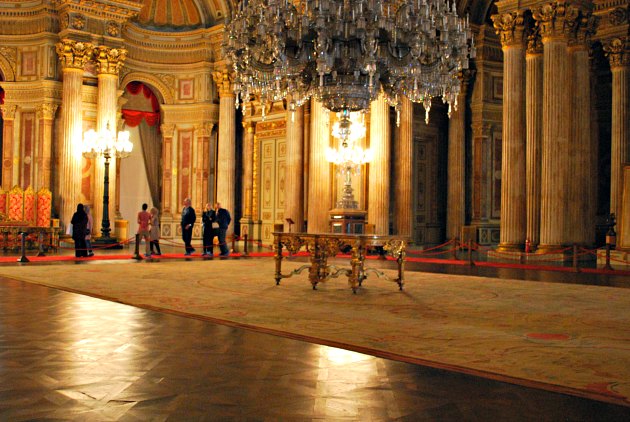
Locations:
column 561, row 337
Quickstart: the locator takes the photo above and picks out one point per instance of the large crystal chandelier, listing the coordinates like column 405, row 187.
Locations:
column 343, row 52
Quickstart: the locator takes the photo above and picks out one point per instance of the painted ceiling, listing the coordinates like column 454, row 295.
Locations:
column 182, row 14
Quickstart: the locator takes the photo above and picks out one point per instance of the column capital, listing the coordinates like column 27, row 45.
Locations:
column 8, row 111
column 557, row 19
column 204, row 129
column 224, row 81
column 618, row 52
column 510, row 27
column 46, row 111
column 249, row 126
column 109, row 60
column 73, row 54
column 167, row 129
column 534, row 42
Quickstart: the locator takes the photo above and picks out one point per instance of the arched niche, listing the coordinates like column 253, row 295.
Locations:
column 159, row 88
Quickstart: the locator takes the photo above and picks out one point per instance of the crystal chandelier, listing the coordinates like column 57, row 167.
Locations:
column 350, row 157
column 344, row 52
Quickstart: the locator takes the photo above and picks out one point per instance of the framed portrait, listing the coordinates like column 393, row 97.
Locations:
column 186, row 89
column 497, row 88
column 29, row 63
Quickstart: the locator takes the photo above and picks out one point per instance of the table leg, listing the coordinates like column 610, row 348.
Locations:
column 356, row 275
column 401, row 269
column 316, row 265
column 278, row 259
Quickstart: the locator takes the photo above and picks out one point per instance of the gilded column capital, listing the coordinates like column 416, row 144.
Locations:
column 204, row 129
column 224, row 81
column 249, row 126
column 534, row 41
column 46, row 111
column 167, row 129
column 109, row 60
column 557, row 19
column 510, row 27
column 8, row 111
column 74, row 54
column 618, row 52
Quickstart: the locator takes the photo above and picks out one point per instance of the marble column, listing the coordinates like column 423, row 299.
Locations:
column 403, row 171
column 378, row 177
column 513, row 209
column 8, row 117
column 249, row 132
column 109, row 61
column 170, row 207
column 294, row 176
column 46, row 115
column 319, row 175
column 533, row 122
column 618, row 51
column 555, row 131
column 580, row 223
column 456, row 187
column 73, row 56
column 226, row 157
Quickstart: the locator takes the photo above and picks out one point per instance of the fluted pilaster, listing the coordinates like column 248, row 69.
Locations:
column 403, row 171
column 226, row 159
column 46, row 115
column 618, row 51
column 202, row 167
column 73, row 57
column 8, row 117
column 378, row 195
column 533, row 118
column 319, row 177
column 249, row 131
column 456, row 194
column 294, row 180
column 169, row 204
column 513, row 209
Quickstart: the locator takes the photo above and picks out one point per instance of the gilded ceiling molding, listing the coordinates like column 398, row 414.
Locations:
column 165, row 93
column 510, row 27
column 8, row 62
column 109, row 60
column 74, row 54
column 618, row 52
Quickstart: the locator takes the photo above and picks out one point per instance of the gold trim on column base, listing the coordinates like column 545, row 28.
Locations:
column 545, row 249
column 510, row 247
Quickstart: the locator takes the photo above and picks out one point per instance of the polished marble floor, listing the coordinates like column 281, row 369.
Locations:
column 65, row 356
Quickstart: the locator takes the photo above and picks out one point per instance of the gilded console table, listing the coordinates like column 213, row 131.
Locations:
column 321, row 246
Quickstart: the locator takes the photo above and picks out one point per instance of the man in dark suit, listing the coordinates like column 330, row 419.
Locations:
column 223, row 219
column 208, row 219
column 188, row 221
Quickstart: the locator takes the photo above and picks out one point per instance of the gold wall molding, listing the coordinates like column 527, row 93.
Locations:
column 191, row 114
column 32, row 93
column 8, row 62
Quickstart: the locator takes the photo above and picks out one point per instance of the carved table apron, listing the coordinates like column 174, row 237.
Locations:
column 321, row 246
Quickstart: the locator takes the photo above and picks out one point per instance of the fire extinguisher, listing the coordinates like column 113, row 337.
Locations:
column 528, row 246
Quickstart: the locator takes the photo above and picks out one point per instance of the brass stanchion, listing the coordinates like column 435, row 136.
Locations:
column 470, row 259
column 245, row 251
column 136, row 253
column 234, row 244
column 608, row 266
column 40, row 241
column 575, row 258
column 23, row 258
column 454, row 249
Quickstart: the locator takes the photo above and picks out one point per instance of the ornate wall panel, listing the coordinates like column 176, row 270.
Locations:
column 272, row 176
column 28, row 147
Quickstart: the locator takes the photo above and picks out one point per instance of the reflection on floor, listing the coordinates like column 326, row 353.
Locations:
column 70, row 357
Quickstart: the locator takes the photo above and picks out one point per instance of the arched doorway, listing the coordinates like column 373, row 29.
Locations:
column 140, row 173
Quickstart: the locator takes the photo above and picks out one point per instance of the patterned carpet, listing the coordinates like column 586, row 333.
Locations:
column 567, row 338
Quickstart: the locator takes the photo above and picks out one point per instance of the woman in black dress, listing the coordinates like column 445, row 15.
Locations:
column 79, row 230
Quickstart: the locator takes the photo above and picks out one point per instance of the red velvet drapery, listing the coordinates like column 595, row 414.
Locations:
column 134, row 117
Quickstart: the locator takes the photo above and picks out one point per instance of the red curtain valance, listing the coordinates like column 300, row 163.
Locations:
column 134, row 117
column 134, row 88
column 1, row 96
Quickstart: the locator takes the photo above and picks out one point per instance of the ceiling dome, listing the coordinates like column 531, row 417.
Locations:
column 176, row 14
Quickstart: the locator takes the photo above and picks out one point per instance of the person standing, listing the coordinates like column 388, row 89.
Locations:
column 223, row 218
column 144, row 219
column 79, row 228
column 208, row 219
column 154, row 232
column 188, row 220
column 88, row 231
